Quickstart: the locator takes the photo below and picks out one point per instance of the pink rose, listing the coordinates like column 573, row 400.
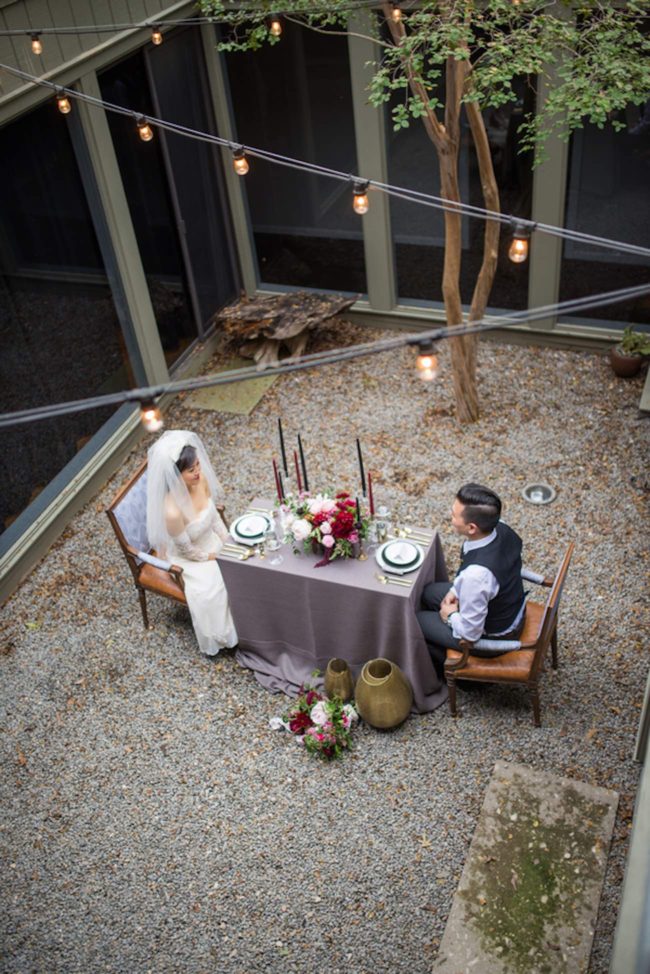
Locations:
column 328, row 540
column 326, row 528
column 353, row 537
column 328, row 505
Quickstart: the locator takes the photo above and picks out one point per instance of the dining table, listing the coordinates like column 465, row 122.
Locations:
column 293, row 617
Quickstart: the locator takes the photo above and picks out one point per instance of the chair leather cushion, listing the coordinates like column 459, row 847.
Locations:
column 510, row 666
column 156, row 580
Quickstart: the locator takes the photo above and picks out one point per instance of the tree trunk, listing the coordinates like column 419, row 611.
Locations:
column 446, row 140
column 463, row 355
column 490, row 192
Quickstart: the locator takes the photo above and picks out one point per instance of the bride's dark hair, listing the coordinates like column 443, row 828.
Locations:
column 186, row 459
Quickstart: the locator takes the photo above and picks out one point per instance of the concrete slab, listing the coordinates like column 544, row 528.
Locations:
column 235, row 397
column 528, row 897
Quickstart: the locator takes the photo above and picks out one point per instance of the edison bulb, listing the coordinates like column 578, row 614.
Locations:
column 427, row 366
column 63, row 104
column 145, row 130
column 275, row 26
column 151, row 417
column 156, row 36
column 37, row 47
column 396, row 13
column 360, row 202
column 240, row 163
column 518, row 251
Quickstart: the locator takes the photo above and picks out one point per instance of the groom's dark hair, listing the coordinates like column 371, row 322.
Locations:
column 482, row 506
column 186, row 459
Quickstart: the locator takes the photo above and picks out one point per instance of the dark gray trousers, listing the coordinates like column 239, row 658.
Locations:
column 438, row 634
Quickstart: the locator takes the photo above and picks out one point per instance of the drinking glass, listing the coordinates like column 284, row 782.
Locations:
column 273, row 545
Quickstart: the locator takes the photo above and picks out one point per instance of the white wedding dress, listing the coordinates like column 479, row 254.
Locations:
column 205, row 590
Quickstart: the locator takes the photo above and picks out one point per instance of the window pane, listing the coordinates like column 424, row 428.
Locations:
column 181, row 90
column 418, row 231
column 295, row 99
column 146, row 187
column 59, row 334
column 607, row 195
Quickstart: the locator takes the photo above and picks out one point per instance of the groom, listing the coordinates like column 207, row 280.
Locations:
column 487, row 596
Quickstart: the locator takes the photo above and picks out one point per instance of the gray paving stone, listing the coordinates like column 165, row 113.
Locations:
column 528, row 897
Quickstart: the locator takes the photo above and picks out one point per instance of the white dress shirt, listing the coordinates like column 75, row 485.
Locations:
column 474, row 587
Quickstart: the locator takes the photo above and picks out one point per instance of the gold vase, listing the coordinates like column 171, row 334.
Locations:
column 338, row 680
column 383, row 695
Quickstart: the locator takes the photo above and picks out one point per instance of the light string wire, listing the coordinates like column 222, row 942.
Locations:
column 316, row 359
column 400, row 192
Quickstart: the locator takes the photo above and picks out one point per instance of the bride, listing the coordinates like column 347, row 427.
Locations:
column 183, row 526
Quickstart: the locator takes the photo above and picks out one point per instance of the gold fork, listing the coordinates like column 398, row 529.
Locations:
column 392, row 581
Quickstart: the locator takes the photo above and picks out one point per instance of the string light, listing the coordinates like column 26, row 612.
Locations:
column 37, row 47
column 396, row 13
column 144, row 129
column 518, row 251
column 150, row 416
column 426, row 364
column 240, row 162
column 156, row 35
column 63, row 102
column 360, row 198
column 411, row 195
column 275, row 26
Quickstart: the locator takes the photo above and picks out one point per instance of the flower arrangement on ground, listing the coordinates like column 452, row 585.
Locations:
column 322, row 726
column 335, row 522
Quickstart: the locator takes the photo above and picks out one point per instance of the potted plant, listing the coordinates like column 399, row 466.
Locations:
column 627, row 356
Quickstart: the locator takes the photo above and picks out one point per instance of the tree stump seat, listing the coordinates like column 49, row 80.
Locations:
column 268, row 323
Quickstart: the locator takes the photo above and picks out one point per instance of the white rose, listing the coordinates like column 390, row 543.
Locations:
column 350, row 713
column 315, row 505
column 319, row 713
column 300, row 529
column 328, row 505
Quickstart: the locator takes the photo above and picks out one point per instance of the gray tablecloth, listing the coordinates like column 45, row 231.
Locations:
column 293, row 618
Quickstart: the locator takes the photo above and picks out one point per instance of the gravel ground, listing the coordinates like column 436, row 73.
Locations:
column 153, row 822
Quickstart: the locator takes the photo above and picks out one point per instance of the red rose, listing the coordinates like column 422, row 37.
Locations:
column 342, row 493
column 299, row 723
column 312, row 697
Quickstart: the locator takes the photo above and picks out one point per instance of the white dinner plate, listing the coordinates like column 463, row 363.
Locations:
column 250, row 528
column 399, row 557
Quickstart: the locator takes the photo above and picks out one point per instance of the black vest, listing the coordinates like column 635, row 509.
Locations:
column 503, row 558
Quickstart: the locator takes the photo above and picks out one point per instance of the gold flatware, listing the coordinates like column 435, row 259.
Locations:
column 236, row 556
column 235, row 547
column 416, row 532
column 416, row 540
column 392, row 581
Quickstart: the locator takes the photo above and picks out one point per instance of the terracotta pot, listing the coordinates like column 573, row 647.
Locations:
column 383, row 695
column 338, row 680
column 623, row 365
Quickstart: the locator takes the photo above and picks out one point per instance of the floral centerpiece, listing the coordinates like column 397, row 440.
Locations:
column 322, row 726
column 332, row 524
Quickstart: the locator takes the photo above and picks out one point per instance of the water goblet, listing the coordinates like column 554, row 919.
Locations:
column 273, row 545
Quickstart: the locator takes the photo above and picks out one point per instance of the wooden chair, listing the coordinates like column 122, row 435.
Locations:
column 523, row 664
column 128, row 516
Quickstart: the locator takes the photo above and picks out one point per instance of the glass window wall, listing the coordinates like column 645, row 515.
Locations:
column 147, row 191
column 607, row 195
column 418, row 231
column 295, row 99
column 59, row 334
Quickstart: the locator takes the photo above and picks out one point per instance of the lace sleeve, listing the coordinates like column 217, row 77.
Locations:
column 218, row 526
column 188, row 550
